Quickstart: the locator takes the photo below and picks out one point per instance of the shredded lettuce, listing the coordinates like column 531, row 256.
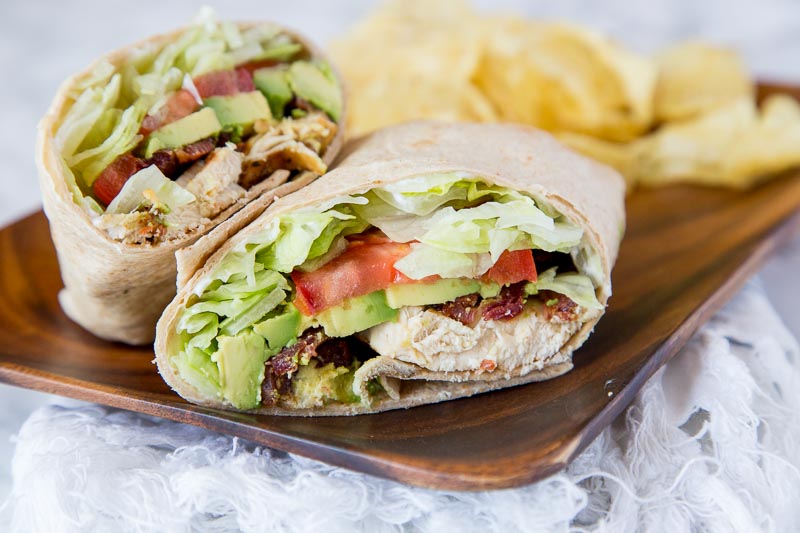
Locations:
column 135, row 192
column 426, row 260
column 87, row 111
column 577, row 287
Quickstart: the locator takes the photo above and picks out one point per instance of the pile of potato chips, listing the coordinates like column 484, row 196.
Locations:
column 689, row 114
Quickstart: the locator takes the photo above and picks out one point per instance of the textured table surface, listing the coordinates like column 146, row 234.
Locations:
column 43, row 42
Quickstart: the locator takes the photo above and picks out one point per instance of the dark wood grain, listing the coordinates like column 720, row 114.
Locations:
column 687, row 250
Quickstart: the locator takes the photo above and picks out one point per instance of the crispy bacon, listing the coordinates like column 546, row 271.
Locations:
column 505, row 306
column 559, row 305
column 193, row 152
column 280, row 368
column 273, row 387
column 336, row 351
column 312, row 345
column 286, row 361
column 464, row 309
column 172, row 161
column 166, row 162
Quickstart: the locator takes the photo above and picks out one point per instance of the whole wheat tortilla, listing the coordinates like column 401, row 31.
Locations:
column 517, row 157
column 116, row 290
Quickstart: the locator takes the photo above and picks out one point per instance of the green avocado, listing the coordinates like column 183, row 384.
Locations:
column 241, row 368
column 280, row 330
column 356, row 314
column 239, row 110
column 489, row 290
column 315, row 82
column 440, row 291
column 315, row 386
column 280, row 52
column 192, row 128
column 272, row 82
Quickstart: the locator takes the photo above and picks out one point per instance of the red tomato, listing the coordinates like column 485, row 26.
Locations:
column 224, row 83
column 244, row 80
column 179, row 105
column 363, row 268
column 512, row 267
column 108, row 184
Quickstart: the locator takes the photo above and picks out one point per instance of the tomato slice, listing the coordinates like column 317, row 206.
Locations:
column 363, row 268
column 512, row 267
column 224, row 83
column 177, row 106
column 108, row 184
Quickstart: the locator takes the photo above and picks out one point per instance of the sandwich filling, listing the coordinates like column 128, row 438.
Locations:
column 444, row 272
column 156, row 146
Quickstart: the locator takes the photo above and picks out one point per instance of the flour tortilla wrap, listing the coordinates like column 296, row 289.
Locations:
column 518, row 158
column 115, row 289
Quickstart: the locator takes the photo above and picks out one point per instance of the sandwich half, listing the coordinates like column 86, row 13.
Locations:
column 157, row 143
column 436, row 261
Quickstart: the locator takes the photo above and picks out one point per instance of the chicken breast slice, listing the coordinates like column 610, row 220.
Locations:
column 214, row 181
column 436, row 342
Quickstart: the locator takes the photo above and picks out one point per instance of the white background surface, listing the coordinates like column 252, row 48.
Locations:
column 41, row 43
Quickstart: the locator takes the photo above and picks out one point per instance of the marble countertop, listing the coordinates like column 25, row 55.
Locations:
column 41, row 43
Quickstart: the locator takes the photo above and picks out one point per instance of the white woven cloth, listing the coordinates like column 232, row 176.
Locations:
column 711, row 443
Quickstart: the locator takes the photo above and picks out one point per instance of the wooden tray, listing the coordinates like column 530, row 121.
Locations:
column 686, row 251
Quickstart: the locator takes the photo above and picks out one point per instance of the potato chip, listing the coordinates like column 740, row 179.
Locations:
column 413, row 59
column 565, row 78
column 687, row 116
column 695, row 78
column 736, row 145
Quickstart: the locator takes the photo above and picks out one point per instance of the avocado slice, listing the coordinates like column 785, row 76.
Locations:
column 315, row 386
column 356, row 314
column 315, row 82
column 280, row 330
column 280, row 52
column 273, row 83
column 191, row 128
column 241, row 368
column 439, row 291
column 239, row 111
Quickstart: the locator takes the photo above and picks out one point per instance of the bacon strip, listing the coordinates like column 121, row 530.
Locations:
column 464, row 309
column 508, row 304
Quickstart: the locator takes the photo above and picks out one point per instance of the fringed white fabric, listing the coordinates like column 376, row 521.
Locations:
column 710, row 444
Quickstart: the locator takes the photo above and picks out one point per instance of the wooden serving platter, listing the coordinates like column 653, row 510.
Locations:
column 687, row 251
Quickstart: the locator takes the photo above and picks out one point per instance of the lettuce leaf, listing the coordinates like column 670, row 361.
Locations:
column 150, row 178
column 577, row 287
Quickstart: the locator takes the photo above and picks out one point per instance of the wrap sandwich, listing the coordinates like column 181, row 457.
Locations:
column 157, row 143
column 435, row 261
